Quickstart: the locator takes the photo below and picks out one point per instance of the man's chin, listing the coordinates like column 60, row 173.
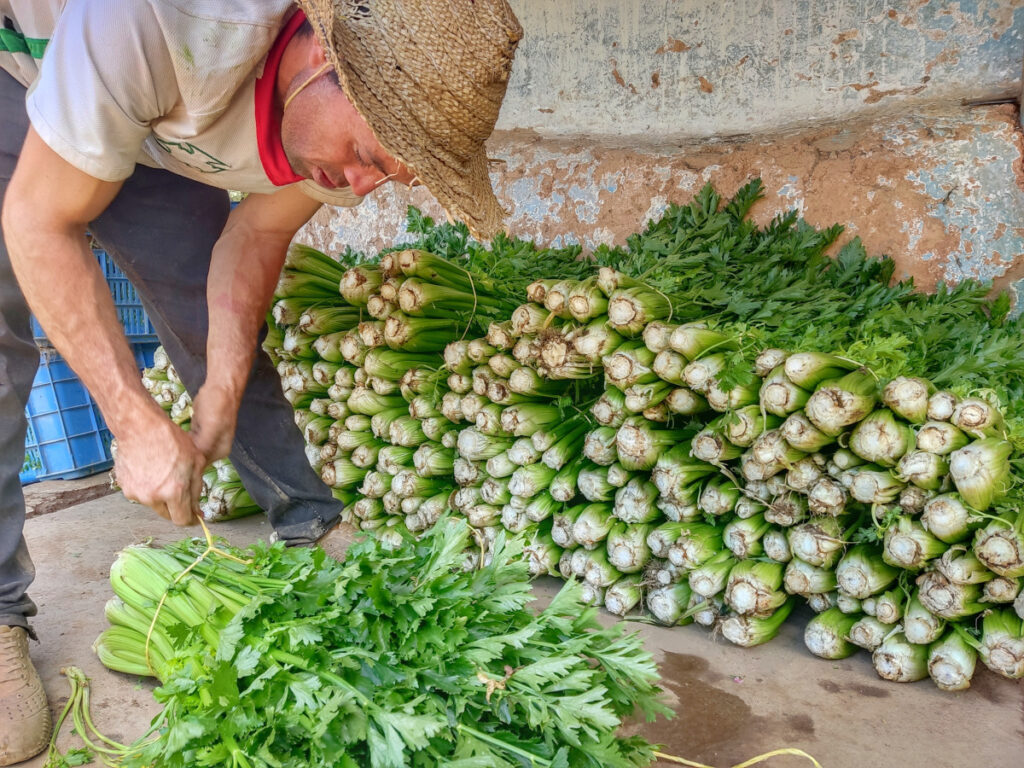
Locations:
column 298, row 166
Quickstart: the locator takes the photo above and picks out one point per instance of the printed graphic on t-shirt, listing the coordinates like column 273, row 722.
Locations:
column 187, row 153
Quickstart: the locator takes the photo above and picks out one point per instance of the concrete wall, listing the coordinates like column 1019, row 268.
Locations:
column 853, row 112
column 705, row 68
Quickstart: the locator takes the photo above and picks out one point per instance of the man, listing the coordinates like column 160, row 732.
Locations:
column 137, row 118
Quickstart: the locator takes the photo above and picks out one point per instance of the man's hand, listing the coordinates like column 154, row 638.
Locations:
column 214, row 415
column 159, row 465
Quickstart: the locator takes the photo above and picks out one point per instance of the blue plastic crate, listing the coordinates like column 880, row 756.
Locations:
column 71, row 439
column 32, row 464
column 67, row 437
column 136, row 323
column 144, row 352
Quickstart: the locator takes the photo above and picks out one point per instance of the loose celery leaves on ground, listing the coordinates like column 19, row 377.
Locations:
column 401, row 658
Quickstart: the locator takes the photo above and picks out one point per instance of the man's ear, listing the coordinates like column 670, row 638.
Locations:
column 315, row 57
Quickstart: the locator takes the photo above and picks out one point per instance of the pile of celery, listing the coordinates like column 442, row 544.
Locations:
column 715, row 422
column 283, row 658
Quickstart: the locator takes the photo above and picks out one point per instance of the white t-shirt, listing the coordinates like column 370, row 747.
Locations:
column 167, row 83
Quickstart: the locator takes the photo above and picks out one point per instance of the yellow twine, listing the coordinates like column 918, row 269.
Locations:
column 472, row 314
column 211, row 548
column 302, row 87
column 667, row 301
column 736, row 481
column 851, row 361
column 746, row 763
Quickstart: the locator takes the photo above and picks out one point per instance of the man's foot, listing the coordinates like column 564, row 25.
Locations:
column 24, row 714
column 335, row 542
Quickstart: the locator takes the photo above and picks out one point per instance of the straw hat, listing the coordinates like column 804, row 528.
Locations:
column 428, row 76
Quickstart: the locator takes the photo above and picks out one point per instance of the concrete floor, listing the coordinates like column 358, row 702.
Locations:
column 732, row 703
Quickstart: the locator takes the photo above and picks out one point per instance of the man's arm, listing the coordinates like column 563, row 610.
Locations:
column 46, row 211
column 244, row 270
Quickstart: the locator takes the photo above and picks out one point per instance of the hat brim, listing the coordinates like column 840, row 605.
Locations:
column 461, row 185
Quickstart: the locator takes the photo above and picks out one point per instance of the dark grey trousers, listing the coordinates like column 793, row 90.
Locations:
column 160, row 231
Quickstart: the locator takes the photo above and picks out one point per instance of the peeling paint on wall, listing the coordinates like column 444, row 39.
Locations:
column 1017, row 291
column 936, row 190
column 971, row 197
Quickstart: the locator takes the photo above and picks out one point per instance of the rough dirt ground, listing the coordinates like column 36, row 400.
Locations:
column 732, row 703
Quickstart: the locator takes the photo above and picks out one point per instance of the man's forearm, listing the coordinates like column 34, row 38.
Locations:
column 244, row 269
column 243, row 274
column 67, row 292
column 45, row 213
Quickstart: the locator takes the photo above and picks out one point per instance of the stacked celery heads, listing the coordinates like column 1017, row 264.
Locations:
column 714, row 423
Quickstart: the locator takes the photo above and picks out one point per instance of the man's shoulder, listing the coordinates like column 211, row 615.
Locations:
column 254, row 13
column 224, row 40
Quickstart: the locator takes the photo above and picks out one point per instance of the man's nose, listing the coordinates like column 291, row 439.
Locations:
column 363, row 180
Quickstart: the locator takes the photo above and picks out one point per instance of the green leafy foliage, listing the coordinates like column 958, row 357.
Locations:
column 71, row 758
column 395, row 658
